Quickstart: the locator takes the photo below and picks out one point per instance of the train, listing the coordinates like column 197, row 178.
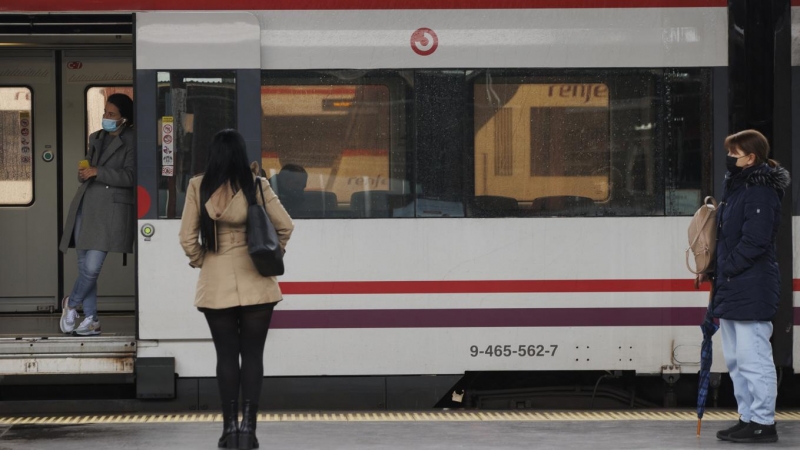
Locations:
column 487, row 186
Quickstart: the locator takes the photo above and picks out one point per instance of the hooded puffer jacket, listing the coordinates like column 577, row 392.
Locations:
column 747, row 284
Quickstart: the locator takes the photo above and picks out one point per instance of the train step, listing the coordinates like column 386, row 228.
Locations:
column 67, row 355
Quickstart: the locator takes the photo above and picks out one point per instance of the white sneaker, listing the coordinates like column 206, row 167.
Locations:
column 89, row 327
column 68, row 316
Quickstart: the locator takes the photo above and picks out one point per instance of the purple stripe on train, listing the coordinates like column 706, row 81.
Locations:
column 490, row 318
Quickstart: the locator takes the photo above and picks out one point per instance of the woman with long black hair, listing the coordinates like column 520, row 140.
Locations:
column 236, row 300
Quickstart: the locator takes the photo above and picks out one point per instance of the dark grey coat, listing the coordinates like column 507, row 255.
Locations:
column 108, row 199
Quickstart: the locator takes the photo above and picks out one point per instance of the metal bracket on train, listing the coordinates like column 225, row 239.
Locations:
column 671, row 374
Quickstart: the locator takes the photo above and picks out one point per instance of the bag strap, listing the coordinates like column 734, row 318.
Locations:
column 688, row 266
column 261, row 189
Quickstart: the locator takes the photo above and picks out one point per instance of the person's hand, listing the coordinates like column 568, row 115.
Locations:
column 699, row 279
column 85, row 174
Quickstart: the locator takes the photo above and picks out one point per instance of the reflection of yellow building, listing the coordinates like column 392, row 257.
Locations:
column 544, row 140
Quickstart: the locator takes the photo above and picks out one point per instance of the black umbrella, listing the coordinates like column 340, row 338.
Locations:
column 709, row 328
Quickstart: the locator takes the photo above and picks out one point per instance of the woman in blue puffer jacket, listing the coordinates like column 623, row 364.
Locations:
column 747, row 281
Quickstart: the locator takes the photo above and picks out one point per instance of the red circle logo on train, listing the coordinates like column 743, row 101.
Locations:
column 424, row 41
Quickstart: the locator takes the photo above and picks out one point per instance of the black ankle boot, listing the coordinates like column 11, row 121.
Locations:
column 247, row 429
column 230, row 426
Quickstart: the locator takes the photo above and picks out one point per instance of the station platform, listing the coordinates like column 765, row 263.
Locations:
column 386, row 430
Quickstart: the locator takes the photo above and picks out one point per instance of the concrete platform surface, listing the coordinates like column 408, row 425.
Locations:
column 600, row 435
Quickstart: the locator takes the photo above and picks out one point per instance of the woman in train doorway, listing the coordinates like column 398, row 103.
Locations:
column 747, row 281
column 236, row 300
column 101, row 216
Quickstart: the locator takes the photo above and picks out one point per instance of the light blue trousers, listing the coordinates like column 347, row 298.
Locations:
column 84, row 291
column 748, row 355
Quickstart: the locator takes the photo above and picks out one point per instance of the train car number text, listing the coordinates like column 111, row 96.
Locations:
column 510, row 350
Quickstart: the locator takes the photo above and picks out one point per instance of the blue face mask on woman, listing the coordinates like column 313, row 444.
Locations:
column 110, row 125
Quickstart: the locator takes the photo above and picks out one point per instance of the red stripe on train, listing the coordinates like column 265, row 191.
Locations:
column 489, row 286
column 483, row 286
column 195, row 5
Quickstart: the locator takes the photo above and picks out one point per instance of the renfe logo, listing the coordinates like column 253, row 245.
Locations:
column 74, row 65
column 424, row 41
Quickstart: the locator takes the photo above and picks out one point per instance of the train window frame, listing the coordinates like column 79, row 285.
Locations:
column 654, row 204
column 401, row 121
column 32, row 179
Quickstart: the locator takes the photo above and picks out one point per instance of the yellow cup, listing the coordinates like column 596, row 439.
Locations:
column 83, row 164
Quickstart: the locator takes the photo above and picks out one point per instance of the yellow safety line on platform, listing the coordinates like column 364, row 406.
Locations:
column 432, row 416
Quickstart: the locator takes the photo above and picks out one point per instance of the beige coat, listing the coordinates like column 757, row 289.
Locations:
column 228, row 277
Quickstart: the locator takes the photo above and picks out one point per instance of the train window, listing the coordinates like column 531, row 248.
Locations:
column 688, row 140
column 96, row 98
column 16, row 146
column 333, row 143
column 589, row 143
column 192, row 106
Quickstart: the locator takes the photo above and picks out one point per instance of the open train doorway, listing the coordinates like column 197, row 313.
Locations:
column 56, row 73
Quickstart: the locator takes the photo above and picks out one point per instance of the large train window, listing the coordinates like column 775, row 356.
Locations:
column 589, row 143
column 192, row 106
column 16, row 147
column 334, row 143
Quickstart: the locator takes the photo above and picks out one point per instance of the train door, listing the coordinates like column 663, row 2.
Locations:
column 28, row 182
column 50, row 100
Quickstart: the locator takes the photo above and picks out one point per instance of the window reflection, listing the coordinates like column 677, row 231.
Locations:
column 332, row 148
column 590, row 143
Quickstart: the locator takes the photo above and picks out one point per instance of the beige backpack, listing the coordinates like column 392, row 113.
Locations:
column 703, row 237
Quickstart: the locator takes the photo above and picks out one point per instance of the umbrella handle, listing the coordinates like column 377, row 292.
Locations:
column 698, row 427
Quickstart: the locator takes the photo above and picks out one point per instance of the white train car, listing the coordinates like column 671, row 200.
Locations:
column 489, row 188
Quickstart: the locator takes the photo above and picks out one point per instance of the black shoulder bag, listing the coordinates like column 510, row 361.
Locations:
column 262, row 239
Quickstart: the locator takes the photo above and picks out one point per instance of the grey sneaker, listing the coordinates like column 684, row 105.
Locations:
column 89, row 327
column 68, row 316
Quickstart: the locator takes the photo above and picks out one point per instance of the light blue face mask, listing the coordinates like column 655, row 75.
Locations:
column 110, row 125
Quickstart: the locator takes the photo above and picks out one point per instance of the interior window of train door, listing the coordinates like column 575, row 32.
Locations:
column 192, row 106
column 16, row 146
column 96, row 98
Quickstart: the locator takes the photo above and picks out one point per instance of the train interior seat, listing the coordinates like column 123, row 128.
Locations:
column 563, row 205
column 320, row 203
column 494, row 206
column 378, row 203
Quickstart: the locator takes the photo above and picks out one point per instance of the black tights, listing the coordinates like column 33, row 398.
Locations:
column 239, row 330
